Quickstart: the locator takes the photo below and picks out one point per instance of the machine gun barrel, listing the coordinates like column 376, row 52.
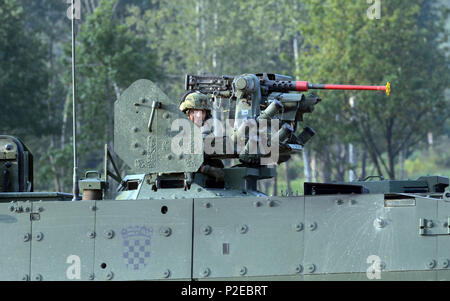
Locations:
column 303, row 86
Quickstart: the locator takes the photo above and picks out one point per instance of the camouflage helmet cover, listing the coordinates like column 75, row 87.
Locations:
column 195, row 100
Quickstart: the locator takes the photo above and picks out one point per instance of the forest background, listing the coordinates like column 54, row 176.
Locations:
column 359, row 134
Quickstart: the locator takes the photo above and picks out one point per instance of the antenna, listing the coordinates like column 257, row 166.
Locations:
column 76, row 189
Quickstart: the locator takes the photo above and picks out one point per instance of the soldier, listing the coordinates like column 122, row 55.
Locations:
column 196, row 106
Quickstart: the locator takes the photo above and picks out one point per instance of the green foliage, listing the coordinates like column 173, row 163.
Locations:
column 23, row 76
column 162, row 40
column 110, row 56
column 402, row 47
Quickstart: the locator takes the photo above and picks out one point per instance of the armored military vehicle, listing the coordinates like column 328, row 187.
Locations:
column 168, row 220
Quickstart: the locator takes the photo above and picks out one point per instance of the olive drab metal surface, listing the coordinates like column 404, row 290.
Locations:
column 144, row 239
column 172, row 220
column 253, row 236
column 15, row 247
column 63, row 234
column 143, row 117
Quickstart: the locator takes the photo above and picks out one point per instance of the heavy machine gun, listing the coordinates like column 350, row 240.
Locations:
column 251, row 98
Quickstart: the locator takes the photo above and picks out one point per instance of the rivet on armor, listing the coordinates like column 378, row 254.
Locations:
column 243, row 229
column 166, row 274
column 312, row 226
column 243, row 271
column 109, row 234
column 431, row 264
column 445, row 263
column 165, row 231
column 339, row 202
column 298, row 227
column 39, row 236
column 379, row 223
column 205, row 272
column 109, row 276
column 38, row 277
column 26, row 237
column 25, row 278
column 311, row 268
column 257, row 204
column 298, row 269
column 91, row 276
column 206, row 230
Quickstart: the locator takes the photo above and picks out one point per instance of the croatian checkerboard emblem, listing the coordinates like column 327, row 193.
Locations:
column 136, row 244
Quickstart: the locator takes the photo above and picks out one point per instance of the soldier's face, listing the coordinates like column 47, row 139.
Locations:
column 197, row 116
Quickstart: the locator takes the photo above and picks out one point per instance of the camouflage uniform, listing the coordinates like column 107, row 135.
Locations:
column 195, row 100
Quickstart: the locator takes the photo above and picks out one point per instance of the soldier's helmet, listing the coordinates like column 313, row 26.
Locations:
column 195, row 100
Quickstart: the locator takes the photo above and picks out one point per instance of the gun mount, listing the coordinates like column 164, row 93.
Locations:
column 254, row 119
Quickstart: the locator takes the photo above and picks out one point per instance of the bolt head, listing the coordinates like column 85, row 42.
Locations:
column 339, row 202
column 207, row 205
column 445, row 263
column 243, row 229
column 299, row 269
column 206, row 230
column 165, row 231
column 311, row 268
column 91, row 234
column 38, row 277
column 26, row 237
column 109, row 276
column 243, row 271
column 257, row 204
column 40, row 209
column 431, row 264
column 205, row 272
column 11, row 208
column 166, row 274
column 25, row 278
column 379, row 223
column 39, row 236
column 312, row 226
column 298, row 227
column 109, row 234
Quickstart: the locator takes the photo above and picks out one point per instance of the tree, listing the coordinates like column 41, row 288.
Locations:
column 402, row 47
column 110, row 57
column 23, row 76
